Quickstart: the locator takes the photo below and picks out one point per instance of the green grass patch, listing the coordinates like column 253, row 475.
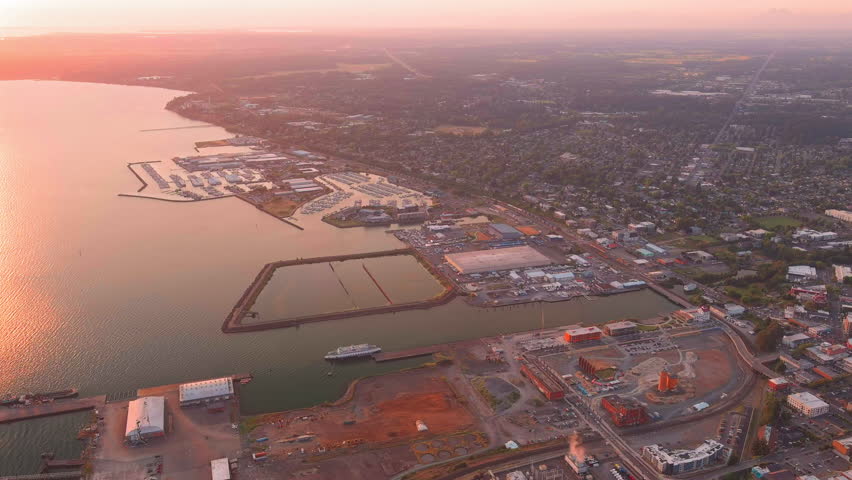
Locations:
column 479, row 384
column 773, row 221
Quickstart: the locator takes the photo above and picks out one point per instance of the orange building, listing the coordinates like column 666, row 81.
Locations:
column 529, row 230
column 583, row 334
column 668, row 381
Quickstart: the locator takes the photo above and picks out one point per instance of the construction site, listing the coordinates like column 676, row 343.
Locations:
column 679, row 371
column 381, row 426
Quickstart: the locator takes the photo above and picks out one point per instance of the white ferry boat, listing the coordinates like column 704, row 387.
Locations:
column 352, row 351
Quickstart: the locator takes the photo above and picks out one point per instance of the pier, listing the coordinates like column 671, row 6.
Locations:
column 177, row 128
column 47, row 476
column 410, row 353
column 58, row 407
column 52, row 464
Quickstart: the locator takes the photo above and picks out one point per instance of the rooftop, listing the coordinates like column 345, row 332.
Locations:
column 808, row 399
column 217, row 387
column 583, row 331
column 497, row 259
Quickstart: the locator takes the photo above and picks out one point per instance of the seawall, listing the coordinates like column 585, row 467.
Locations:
column 233, row 322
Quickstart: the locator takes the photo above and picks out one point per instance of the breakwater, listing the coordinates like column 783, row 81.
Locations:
column 234, row 321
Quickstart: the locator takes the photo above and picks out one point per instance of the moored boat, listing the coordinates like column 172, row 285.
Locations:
column 353, row 351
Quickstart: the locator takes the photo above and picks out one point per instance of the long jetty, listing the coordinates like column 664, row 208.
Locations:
column 177, row 128
column 46, row 476
column 378, row 285
column 410, row 353
column 144, row 183
column 233, row 322
column 58, row 407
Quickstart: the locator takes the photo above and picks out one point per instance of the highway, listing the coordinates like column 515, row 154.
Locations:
column 746, row 94
column 404, row 65
column 737, row 107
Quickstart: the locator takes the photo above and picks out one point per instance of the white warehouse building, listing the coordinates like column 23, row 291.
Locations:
column 206, row 391
column 145, row 419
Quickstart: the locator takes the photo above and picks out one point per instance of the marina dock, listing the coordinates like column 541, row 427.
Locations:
column 52, row 464
column 9, row 415
column 410, row 353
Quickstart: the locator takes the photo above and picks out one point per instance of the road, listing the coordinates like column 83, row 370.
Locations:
column 746, row 94
column 737, row 107
column 404, row 65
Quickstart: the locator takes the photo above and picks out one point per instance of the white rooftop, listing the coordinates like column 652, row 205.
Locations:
column 218, row 387
column 809, row 399
column 145, row 415
column 802, row 270
column 220, row 469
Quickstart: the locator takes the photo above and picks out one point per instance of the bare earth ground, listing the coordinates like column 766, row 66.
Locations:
column 381, row 440
column 193, row 438
column 281, row 207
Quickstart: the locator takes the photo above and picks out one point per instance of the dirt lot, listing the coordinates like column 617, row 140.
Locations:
column 382, row 440
column 712, row 370
column 382, row 409
column 281, row 207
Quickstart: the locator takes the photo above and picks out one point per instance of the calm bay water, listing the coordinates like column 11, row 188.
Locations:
column 109, row 294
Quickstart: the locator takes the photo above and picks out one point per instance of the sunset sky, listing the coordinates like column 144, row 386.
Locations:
column 362, row 14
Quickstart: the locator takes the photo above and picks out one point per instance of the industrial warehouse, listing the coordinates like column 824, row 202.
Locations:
column 145, row 419
column 207, row 392
column 482, row 261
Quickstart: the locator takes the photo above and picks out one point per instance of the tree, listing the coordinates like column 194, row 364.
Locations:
column 768, row 338
column 760, row 447
column 770, row 409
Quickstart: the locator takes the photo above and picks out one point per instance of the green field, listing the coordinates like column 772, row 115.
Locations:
column 771, row 222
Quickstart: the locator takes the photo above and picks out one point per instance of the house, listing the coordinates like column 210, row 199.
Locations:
column 698, row 256
column 757, row 233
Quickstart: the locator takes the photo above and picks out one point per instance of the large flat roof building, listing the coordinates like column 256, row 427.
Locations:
column 145, row 419
column 507, row 232
column 625, row 327
column 673, row 462
column 206, row 391
column 481, row 261
column 807, row 403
